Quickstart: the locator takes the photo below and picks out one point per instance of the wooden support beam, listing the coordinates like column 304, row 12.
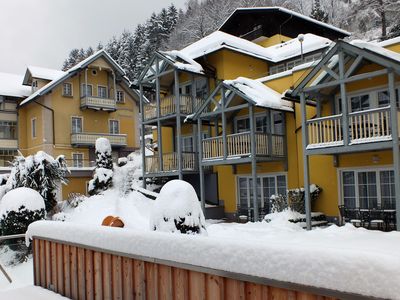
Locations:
column 253, row 161
column 353, row 66
column 178, row 124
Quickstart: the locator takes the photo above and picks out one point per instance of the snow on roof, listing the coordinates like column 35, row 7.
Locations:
column 390, row 42
column 290, row 12
column 261, row 94
column 187, row 64
column 65, row 75
column 219, row 40
column 376, row 48
column 11, row 85
column 288, row 72
column 44, row 73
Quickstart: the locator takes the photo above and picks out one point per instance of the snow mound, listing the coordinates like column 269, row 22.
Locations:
column 177, row 209
column 103, row 146
column 19, row 197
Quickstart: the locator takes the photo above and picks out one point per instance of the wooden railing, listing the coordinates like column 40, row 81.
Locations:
column 239, row 144
column 80, row 271
column 168, row 106
column 98, row 103
column 89, row 139
column 170, row 162
column 373, row 125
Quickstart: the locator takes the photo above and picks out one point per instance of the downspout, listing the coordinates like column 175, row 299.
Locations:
column 52, row 119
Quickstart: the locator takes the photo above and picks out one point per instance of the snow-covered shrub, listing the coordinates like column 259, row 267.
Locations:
column 40, row 172
column 19, row 208
column 122, row 161
column 278, row 203
column 296, row 198
column 177, row 209
column 103, row 173
column 4, row 179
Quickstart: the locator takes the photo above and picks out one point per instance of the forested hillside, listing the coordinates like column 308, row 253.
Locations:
column 173, row 29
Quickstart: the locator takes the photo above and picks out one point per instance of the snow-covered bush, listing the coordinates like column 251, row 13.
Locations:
column 103, row 173
column 296, row 197
column 19, row 208
column 177, row 209
column 40, row 172
column 278, row 203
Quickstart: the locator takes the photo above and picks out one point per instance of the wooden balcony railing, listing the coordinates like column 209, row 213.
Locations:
column 89, row 139
column 168, row 107
column 373, row 125
column 170, row 162
column 239, row 144
column 98, row 103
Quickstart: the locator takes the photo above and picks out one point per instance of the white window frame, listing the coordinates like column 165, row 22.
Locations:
column 259, row 176
column 83, row 90
column 110, row 127
column 76, row 117
column 73, row 159
column 357, row 170
column 119, row 92
column 99, row 86
column 71, row 89
column 187, row 137
column 34, row 128
column 256, row 115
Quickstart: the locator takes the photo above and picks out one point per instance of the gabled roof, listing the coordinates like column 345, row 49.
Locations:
column 367, row 50
column 277, row 20
column 74, row 70
column 220, row 40
column 11, row 85
column 41, row 73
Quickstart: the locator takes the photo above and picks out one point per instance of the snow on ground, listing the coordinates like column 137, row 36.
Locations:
column 21, row 274
column 30, row 292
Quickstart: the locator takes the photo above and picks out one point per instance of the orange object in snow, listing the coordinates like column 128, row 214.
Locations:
column 113, row 222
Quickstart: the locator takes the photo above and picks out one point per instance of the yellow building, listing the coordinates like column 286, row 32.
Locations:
column 226, row 121
column 66, row 112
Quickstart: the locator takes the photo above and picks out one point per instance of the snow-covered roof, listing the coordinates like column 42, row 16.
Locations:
column 376, row 48
column 65, row 75
column 390, row 42
column 220, row 40
column 259, row 93
column 41, row 73
column 183, row 61
column 290, row 12
column 11, row 85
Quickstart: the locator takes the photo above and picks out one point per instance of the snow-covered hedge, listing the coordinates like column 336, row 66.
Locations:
column 19, row 208
column 103, row 173
column 177, row 209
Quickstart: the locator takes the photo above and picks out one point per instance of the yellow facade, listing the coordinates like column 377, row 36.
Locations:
column 53, row 115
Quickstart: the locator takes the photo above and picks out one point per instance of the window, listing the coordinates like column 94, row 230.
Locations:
column 261, row 123
column 120, row 96
column 267, row 185
column 384, row 99
column 77, row 160
column 368, row 189
column 114, row 126
column 8, row 130
column 187, row 144
column 76, row 125
column 33, row 127
column 359, row 103
column 201, row 88
column 101, row 91
column 185, row 89
column 277, row 122
column 242, row 125
column 86, row 90
column 67, row 89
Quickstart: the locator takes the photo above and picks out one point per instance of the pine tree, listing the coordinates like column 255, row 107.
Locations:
column 103, row 173
column 318, row 13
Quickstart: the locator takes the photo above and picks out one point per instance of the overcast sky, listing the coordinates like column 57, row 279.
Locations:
column 42, row 32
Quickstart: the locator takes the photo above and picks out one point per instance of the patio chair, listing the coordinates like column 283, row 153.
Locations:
column 353, row 216
column 390, row 220
column 377, row 219
column 342, row 212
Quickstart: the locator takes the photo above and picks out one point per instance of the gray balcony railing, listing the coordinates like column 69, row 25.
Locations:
column 170, row 162
column 168, row 106
column 89, row 139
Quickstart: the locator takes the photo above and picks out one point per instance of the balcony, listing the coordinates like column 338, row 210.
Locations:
column 89, row 139
column 368, row 126
column 239, row 145
column 168, row 106
column 6, row 143
column 98, row 103
column 170, row 162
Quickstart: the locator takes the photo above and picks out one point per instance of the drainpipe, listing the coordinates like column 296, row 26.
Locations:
column 52, row 119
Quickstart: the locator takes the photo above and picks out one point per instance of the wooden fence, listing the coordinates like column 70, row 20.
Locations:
column 81, row 272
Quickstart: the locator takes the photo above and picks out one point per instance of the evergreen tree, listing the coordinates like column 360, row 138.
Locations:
column 103, row 173
column 318, row 13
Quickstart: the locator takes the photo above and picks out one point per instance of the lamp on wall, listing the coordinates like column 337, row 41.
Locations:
column 300, row 37
column 375, row 159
